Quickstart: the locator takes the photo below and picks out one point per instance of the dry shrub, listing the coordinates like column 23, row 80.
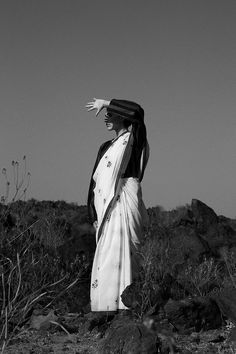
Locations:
column 167, row 273
column 199, row 279
column 32, row 274
column 155, row 271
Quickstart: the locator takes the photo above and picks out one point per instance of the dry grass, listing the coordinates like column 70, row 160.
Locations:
column 31, row 270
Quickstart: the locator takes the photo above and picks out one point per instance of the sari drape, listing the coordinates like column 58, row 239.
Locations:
column 120, row 215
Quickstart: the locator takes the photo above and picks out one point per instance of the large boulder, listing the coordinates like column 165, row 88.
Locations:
column 200, row 313
column 129, row 337
column 157, row 294
column 204, row 216
column 192, row 232
column 214, row 231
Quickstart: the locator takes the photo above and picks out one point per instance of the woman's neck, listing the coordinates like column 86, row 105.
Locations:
column 120, row 131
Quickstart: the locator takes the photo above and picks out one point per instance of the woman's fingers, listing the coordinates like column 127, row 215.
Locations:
column 97, row 104
column 93, row 102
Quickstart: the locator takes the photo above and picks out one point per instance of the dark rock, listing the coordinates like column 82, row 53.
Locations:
column 192, row 232
column 183, row 238
column 157, row 293
column 131, row 296
column 193, row 314
column 226, row 300
column 213, row 230
column 128, row 337
column 42, row 322
column 203, row 215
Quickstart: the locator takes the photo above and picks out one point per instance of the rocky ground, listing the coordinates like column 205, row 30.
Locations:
column 184, row 301
column 74, row 334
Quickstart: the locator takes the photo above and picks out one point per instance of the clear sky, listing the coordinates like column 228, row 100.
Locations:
column 177, row 58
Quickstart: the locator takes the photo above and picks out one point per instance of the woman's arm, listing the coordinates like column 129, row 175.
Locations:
column 97, row 104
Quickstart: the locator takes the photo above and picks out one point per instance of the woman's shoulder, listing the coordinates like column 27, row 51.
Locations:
column 104, row 146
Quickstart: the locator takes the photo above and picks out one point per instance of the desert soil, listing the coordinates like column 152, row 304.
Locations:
column 56, row 341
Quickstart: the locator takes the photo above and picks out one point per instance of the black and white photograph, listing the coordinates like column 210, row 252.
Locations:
column 117, row 177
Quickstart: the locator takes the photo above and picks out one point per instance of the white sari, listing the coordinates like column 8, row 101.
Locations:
column 120, row 215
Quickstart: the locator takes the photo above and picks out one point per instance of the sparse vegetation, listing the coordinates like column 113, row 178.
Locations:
column 32, row 271
column 38, row 272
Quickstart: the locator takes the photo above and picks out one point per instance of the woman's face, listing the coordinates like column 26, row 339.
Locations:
column 113, row 122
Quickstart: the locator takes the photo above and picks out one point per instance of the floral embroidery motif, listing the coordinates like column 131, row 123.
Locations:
column 108, row 217
column 95, row 284
column 109, row 164
column 106, row 157
column 104, row 200
column 124, row 142
column 118, row 198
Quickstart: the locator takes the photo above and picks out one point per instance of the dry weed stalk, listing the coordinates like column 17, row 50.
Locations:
column 20, row 185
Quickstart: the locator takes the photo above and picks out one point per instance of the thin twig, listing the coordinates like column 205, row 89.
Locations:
column 25, row 230
column 62, row 327
column 3, row 295
column 19, row 282
column 64, row 290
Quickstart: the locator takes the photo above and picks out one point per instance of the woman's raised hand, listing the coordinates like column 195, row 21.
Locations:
column 97, row 104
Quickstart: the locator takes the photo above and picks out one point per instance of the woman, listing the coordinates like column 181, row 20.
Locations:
column 115, row 203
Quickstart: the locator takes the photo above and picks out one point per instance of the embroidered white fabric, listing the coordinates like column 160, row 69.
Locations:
column 121, row 215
